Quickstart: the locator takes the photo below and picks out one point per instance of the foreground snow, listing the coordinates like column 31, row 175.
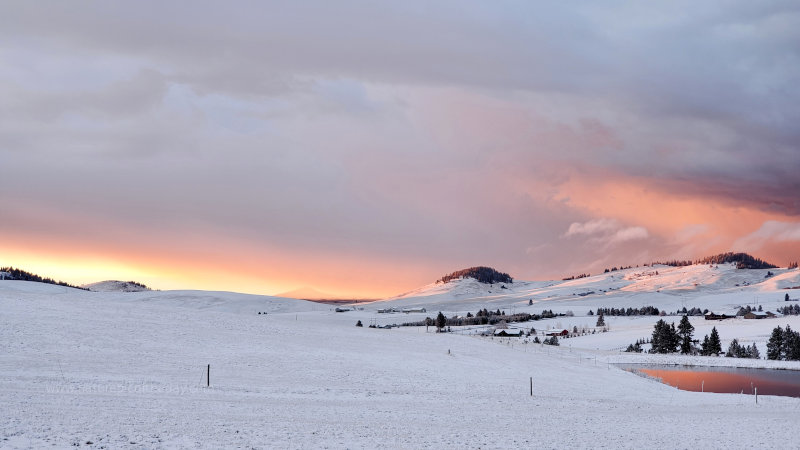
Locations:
column 122, row 370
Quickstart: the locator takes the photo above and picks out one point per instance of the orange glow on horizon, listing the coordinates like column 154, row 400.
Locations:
column 86, row 250
column 234, row 271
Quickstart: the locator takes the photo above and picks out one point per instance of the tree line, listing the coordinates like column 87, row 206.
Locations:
column 667, row 338
column 791, row 310
column 643, row 311
column 576, row 277
column 19, row 274
column 742, row 260
column 485, row 317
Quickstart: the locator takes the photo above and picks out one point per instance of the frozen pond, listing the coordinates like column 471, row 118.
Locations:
column 723, row 379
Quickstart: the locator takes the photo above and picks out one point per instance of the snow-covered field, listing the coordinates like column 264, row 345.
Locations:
column 128, row 370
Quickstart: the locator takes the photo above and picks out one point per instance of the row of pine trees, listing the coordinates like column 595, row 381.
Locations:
column 670, row 339
column 783, row 344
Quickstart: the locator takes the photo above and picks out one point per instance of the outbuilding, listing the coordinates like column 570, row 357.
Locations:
column 758, row 315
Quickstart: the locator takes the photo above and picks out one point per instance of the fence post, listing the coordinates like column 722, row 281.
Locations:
column 531, row 386
column 208, row 376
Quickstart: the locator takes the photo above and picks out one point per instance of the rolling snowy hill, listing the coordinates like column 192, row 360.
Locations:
column 116, row 286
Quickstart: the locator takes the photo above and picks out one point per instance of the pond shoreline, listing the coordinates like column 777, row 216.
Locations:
column 700, row 361
column 721, row 380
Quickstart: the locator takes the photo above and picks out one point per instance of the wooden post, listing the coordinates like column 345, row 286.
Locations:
column 703, row 386
column 756, row 391
column 208, row 376
column 531, row 386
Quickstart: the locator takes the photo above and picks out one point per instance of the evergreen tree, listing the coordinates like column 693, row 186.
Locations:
column 753, row 352
column 775, row 344
column 665, row 338
column 441, row 321
column 601, row 322
column 674, row 339
column 734, row 349
column 791, row 344
column 704, row 347
column 359, row 324
column 714, row 344
column 685, row 330
column 591, row 313
column 786, row 297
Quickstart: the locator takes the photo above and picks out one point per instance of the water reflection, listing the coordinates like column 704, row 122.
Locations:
column 724, row 379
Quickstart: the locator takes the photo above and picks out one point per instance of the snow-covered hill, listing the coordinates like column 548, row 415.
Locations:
column 719, row 286
column 116, row 286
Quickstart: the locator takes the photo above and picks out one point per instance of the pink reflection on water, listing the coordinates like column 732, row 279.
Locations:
column 729, row 380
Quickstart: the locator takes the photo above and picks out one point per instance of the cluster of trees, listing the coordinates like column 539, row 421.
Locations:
column 482, row 317
column 139, row 285
column 665, row 338
column 18, row 274
column 786, row 297
column 735, row 350
column 637, row 347
column 711, row 345
column 793, row 265
column 643, row 311
column 742, row 260
column 672, row 263
column 487, row 317
column 483, row 274
column 791, row 310
column 784, row 344
column 744, row 310
column 552, row 340
column 576, row 277
column 669, row 339
column 546, row 314
column 615, row 268
column 692, row 312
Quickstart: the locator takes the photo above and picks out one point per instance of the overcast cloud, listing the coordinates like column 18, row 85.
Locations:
column 431, row 136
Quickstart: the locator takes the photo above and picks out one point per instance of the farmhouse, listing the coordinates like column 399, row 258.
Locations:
column 557, row 333
column 711, row 316
column 506, row 332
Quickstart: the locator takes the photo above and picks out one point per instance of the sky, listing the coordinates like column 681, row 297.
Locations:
column 364, row 149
